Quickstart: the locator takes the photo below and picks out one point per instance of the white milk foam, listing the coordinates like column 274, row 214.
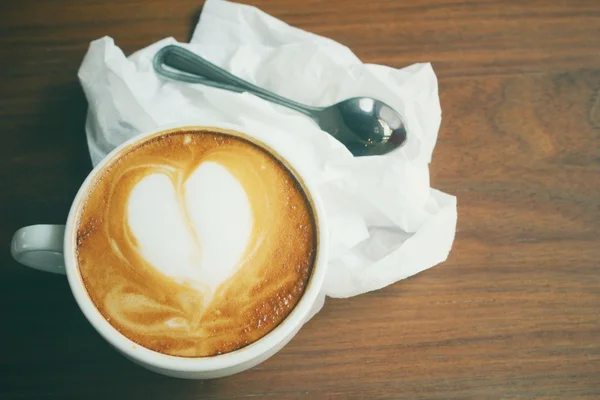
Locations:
column 219, row 211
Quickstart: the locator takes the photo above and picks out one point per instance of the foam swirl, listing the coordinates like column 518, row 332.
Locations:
column 192, row 307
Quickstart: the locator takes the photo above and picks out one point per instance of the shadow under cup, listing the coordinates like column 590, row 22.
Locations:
column 198, row 367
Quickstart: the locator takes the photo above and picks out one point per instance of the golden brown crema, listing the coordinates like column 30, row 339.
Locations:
column 184, row 317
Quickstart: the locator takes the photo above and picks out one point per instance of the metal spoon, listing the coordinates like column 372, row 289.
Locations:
column 364, row 125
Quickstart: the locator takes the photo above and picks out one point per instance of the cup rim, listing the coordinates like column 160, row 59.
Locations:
column 271, row 340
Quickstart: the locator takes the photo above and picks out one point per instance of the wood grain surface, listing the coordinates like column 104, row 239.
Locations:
column 513, row 313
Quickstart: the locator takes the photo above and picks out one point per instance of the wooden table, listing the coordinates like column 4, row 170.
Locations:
column 513, row 313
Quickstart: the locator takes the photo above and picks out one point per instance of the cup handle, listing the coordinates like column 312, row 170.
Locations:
column 40, row 247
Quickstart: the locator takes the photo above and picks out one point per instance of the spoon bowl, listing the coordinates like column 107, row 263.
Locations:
column 364, row 125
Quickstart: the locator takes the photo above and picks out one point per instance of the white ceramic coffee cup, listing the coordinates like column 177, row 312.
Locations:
column 52, row 248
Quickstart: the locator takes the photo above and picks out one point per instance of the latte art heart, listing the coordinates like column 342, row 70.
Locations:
column 196, row 243
column 197, row 237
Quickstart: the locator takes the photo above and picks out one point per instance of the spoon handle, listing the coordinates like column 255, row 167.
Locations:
column 187, row 66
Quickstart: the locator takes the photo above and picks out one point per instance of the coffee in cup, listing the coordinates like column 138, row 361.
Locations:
column 195, row 243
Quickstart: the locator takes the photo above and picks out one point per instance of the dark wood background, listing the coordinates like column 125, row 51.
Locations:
column 513, row 313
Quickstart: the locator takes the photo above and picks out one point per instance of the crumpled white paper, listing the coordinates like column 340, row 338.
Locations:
column 386, row 223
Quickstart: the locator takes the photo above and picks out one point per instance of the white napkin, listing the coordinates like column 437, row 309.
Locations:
column 386, row 223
